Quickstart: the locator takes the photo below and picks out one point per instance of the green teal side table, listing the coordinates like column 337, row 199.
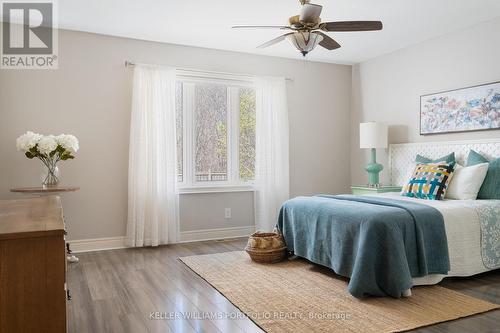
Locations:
column 363, row 189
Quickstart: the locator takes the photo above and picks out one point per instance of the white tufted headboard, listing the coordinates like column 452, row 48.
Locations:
column 402, row 155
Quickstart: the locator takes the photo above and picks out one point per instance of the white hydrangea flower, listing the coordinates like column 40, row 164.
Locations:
column 27, row 141
column 68, row 142
column 47, row 144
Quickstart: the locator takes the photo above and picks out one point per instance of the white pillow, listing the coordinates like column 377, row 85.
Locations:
column 467, row 181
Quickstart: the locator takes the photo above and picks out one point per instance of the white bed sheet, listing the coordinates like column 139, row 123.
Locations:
column 463, row 232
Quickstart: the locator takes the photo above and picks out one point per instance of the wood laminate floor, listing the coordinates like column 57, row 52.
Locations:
column 118, row 290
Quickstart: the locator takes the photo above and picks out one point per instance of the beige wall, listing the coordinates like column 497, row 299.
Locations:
column 213, row 206
column 89, row 96
column 388, row 88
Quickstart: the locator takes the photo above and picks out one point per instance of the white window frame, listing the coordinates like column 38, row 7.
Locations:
column 233, row 182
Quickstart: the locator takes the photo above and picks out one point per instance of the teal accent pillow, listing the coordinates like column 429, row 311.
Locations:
column 491, row 184
column 447, row 158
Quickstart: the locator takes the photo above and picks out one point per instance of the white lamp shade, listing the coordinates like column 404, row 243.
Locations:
column 372, row 135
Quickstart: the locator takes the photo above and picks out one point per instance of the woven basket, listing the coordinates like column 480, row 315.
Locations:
column 266, row 247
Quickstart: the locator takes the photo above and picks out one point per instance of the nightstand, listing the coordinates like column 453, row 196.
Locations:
column 363, row 189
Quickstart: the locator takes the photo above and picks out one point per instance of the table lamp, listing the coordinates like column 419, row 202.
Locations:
column 373, row 135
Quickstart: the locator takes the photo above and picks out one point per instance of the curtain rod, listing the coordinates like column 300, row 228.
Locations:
column 132, row 64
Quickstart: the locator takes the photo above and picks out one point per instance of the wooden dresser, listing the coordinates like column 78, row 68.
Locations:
column 32, row 266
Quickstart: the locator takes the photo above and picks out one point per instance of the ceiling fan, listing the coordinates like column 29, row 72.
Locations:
column 306, row 29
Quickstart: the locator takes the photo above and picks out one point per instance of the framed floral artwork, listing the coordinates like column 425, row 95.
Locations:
column 474, row 108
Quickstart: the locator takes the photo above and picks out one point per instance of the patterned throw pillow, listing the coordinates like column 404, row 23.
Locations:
column 429, row 181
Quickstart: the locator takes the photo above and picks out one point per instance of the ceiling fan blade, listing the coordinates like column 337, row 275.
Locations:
column 310, row 13
column 274, row 41
column 328, row 42
column 283, row 27
column 351, row 26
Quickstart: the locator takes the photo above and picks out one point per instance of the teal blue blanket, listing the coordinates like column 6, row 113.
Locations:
column 379, row 243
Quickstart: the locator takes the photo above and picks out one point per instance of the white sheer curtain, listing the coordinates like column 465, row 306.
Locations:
column 152, row 199
column 271, row 169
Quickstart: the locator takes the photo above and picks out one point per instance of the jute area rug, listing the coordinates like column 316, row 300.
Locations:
column 297, row 296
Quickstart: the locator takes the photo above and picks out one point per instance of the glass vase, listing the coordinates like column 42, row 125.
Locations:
column 50, row 176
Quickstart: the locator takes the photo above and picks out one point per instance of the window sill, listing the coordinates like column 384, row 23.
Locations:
column 215, row 189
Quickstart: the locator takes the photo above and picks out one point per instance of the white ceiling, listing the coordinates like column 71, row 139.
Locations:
column 207, row 23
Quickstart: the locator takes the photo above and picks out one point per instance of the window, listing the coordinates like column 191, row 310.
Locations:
column 247, row 134
column 215, row 132
column 210, row 131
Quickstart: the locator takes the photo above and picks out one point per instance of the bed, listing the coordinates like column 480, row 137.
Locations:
column 472, row 231
column 471, row 237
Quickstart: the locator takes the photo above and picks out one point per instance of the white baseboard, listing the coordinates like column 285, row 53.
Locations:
column 97, row 244
column 112, row 243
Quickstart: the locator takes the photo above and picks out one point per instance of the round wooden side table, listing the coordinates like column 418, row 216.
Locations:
column 44, row 191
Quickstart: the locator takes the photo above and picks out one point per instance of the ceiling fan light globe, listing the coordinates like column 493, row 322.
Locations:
column 304, row 42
